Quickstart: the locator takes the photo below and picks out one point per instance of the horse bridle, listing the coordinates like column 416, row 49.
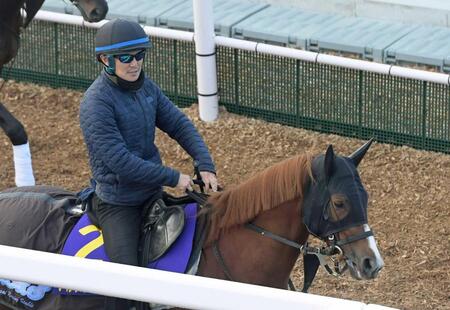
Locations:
column 333, row 249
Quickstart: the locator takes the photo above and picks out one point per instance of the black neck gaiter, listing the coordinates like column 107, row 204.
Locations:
column 127, row 85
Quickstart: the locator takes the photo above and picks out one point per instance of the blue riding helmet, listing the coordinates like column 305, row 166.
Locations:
column 119, row 36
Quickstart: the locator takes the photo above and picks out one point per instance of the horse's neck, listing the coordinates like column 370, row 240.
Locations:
column 10, row 19
column 10, row 8
column 284, row 220
column 257, row 259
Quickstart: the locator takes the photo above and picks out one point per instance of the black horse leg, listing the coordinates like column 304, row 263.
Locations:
column 12, row 127
column 18, row 137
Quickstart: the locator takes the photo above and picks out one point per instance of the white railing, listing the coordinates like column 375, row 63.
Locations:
column 156, row 286
column 268, row 49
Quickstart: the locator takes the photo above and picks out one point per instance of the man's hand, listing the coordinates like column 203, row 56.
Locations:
column 185, row 182
column 210, row 180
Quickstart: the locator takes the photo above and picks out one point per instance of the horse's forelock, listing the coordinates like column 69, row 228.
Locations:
column 266, row 190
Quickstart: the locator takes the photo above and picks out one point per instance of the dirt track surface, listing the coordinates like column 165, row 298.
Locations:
column 409, row 189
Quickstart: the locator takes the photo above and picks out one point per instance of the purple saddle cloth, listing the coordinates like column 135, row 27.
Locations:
column 85, row 240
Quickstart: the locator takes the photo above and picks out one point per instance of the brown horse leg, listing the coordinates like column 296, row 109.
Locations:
column 12, row 127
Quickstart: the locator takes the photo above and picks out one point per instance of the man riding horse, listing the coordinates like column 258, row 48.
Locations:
column 119, row 115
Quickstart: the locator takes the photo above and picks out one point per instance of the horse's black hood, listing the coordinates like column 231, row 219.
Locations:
column 334, row 176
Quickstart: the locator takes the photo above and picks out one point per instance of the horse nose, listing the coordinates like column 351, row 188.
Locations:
column 95, row 15
column 371, row 268
column 98, row 13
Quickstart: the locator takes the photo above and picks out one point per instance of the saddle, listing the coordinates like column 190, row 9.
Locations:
column 162, row 224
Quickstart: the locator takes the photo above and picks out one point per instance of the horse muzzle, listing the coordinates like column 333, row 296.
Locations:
column 92, row 11
column 366, row 269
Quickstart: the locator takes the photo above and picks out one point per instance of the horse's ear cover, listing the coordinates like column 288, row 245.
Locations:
column 358, row 155
column 329, row 162
column 333, row 175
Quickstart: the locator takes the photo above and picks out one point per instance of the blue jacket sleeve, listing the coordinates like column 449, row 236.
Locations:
column 105, row 143
column 180, row 128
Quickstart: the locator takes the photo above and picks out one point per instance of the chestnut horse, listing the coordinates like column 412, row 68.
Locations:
column 256, row 230
column 12, row 22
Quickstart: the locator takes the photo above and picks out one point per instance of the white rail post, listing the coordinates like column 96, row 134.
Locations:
column 205, row 51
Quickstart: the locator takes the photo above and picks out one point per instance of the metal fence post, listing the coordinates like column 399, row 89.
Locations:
column 360, row 104
column 175, row 71
column 236, row 77
column 297, row 92
column 424, row 113
column 55, row 28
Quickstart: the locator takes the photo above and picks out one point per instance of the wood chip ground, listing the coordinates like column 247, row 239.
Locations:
column 409, row 189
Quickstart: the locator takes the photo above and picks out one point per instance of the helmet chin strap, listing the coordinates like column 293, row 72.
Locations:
column 111, row 67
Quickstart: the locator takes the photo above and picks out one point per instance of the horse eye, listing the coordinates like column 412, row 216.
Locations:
column 339, row 205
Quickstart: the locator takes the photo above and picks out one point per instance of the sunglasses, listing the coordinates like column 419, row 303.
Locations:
column 127, row 58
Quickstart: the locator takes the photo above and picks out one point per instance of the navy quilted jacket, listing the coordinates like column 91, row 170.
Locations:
column 119, row 130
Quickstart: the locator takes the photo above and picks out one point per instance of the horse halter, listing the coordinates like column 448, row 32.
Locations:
column 333, row 249
column 333, row 245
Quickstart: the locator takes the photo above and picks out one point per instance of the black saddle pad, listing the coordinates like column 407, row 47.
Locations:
column 34, row 217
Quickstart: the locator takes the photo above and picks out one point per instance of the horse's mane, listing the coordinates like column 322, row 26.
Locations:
column 264, row 191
